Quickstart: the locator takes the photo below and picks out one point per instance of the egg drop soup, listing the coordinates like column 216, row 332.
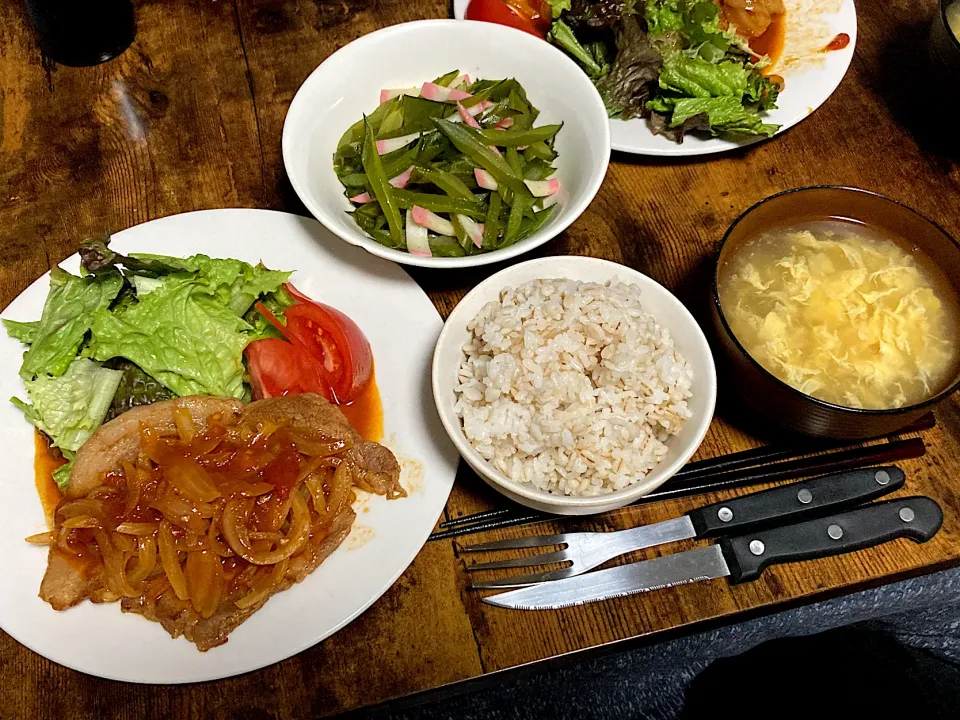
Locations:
column 843, row 313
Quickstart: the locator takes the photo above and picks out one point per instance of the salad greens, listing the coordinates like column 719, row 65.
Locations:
column 668, row 61
column 70, row 407
column 453, row 168
column 134, row 330
column 135, row 388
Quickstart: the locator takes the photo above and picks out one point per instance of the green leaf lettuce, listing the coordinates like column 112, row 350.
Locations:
column 182, row 334
column 65, row 320
column 69, row 408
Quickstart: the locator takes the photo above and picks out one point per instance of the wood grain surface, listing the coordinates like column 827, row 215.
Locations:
column 190, row 117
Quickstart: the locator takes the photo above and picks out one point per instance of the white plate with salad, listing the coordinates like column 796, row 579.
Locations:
column 694, row 77
column 194, row 346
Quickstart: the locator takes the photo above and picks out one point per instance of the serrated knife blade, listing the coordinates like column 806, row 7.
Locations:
column 706, row 563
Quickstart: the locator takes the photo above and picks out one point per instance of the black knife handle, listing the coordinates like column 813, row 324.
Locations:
column 916, row 518
column 788, row 503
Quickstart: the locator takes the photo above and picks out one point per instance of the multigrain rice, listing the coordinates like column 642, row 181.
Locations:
column 571, row 387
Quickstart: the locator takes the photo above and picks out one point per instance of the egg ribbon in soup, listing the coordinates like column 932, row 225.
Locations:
column 953, row 19
column 842, row 314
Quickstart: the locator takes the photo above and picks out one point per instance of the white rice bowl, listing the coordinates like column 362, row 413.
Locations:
column 571, row 387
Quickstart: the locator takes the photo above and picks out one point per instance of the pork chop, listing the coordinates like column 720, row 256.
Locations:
column 119, row 439
column 68, row 581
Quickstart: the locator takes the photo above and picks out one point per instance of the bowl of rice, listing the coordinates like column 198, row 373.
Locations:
column 573, row 385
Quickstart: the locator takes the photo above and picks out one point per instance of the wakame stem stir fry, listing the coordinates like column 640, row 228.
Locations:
column 452, row 168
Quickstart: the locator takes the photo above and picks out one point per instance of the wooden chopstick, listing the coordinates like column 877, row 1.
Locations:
column 826, row 463
column 708, row 467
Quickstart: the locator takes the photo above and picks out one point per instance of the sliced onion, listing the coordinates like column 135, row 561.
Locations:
column 184, row 422
column 204, row 582
column 213, row 541
column 146, row 560
column 134, row 486
column 321, row 448
column 174, row 504
column 245, row 489
column 315, row 486
column 342, row 481
column 123, row 543
column 63, row 542
column 44, row 538
column 235, row 532
column 265, row 536
column 102, row 491
column 81, row 522
column 266, row 587
column 84, row 506
column 134, row 528
column 114, row 566
column 191, row 480
column 170, row 560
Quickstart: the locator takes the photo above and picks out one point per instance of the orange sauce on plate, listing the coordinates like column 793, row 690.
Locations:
column 44, row 463
column 838, row 43
column 366, row 413
column 771, row 42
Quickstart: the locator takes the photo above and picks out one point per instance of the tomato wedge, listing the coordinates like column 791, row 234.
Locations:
column 531, row 16
column 278, row 367
column 326, row 350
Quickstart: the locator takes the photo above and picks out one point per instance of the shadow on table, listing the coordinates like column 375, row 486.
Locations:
column 848, row 672
column 918, row 92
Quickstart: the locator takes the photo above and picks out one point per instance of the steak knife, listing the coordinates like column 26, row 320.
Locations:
column 741, row 558
column 807, row 498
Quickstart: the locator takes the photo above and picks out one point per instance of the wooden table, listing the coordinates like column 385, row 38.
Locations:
column 190, row 118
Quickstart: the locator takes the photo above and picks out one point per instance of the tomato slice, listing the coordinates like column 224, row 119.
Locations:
column 531, row 16
column 279, row 368
column 329, row 334
column 326, row 353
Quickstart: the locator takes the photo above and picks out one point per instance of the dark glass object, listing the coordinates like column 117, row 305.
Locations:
column 82, row 32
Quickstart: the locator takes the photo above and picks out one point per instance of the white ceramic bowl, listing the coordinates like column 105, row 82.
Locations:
column 657, row 300
column 348, row 84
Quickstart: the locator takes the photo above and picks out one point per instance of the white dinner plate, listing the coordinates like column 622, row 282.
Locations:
column 806, row 90
column 402, row 326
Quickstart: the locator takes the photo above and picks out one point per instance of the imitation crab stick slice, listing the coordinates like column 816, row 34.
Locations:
column 401, row 180
column 485, row 179
column 432, row 221
column 391, row 144
column 543, row 188
column 390, row 94
column 474, row 110
column 439, row 93
column 473, row 229
column 504, row 123
column 467, row 118
column 418, row 242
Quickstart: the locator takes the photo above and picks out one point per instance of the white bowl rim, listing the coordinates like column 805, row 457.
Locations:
column 480, row 464
column 571, row 212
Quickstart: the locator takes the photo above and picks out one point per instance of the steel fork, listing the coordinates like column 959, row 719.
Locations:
column 580, row 551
